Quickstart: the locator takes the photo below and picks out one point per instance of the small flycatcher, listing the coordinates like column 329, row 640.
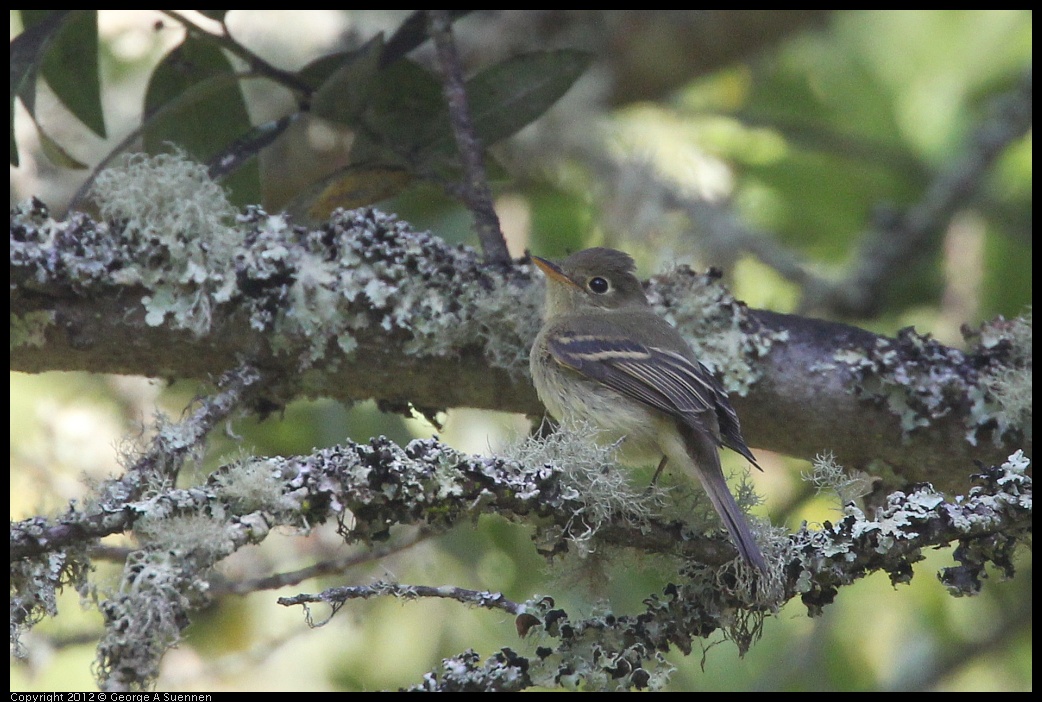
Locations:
column 605, row 357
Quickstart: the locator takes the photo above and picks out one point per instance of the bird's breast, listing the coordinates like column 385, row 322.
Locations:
column 573, row 399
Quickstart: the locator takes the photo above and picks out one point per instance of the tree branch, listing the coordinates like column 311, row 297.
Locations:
column 365, row 307
column 381, row 485
column 184, row 532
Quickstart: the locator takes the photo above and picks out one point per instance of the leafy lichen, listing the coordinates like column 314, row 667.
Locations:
column 717, row 326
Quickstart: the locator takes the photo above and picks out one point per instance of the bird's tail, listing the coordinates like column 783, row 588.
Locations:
column 704, row 457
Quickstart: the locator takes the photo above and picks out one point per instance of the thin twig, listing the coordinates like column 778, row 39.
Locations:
column 474, row 190
column 257, row 65
column 338, row 596
column 334, row 566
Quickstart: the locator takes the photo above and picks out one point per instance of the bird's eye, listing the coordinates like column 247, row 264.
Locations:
column 598, row 285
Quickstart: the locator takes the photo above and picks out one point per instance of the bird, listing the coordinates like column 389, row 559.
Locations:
column 605, row 357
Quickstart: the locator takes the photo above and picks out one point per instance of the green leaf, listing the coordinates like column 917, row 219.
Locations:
column 508, row 96
column 194, row 100
column 27, row 50
column 343, row 96
column 318, row 71
column 405, row 115
column 70, row 66
column 407, row 120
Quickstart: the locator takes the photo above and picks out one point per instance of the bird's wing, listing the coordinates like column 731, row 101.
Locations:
column 660, row 378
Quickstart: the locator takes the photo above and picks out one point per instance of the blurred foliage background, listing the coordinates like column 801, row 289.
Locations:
column 803, row 140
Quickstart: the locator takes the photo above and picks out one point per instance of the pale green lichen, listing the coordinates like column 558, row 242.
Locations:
column 204, row 534
column 250, row 484
column 1004, row 392
column 367, row 271
column 891, row 524
column 827, row 474
column 1016, row 467
column 34, row 587
column 30, row 329
column 172, row 232
column 180, row 225
column 712, row 321
column 590, row 474
column 919, row 379
column 322, row 293
column 503, row 319
column 146, row 617
column 597, row 654
column 989, row 510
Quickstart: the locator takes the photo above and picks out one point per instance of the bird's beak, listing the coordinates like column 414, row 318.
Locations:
column 554, row 272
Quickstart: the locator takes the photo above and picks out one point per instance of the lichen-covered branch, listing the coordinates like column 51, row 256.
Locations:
column 366, row 307
column 371, row 489
column 337, row 596
column 362, row 307
column 624, row 651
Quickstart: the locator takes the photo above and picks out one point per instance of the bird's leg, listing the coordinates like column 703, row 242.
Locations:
column 661, row 465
